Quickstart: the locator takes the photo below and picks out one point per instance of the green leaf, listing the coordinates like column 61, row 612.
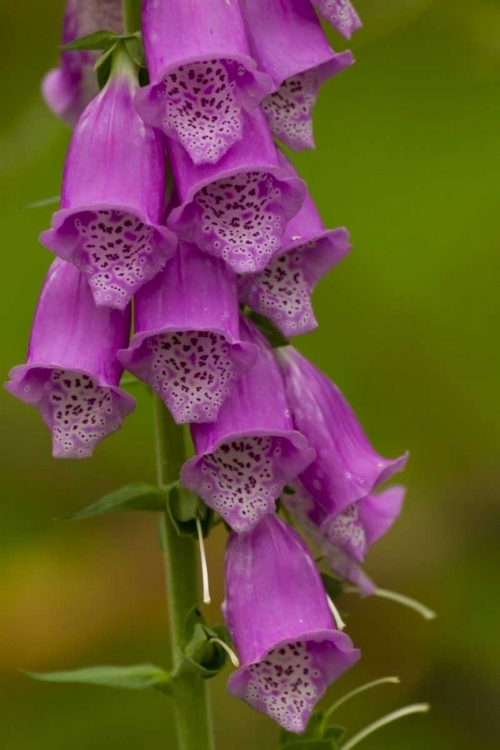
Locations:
column 136, row 677
column 131, row 497
column 333, row 587
column 200, row 653
column 97, row 40
column 335, row 733
column 273, row 334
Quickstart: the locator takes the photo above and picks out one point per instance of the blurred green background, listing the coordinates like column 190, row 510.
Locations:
column 408, row 157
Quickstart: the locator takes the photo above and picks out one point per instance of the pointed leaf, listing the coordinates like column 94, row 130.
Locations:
column 97, row 40
column 184, row 508
column 131, row 497
column 136, row 677
column 103, row 66
column 135, row 49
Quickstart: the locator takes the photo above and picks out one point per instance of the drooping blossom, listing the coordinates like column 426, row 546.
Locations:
column 72, row 373
column 344, row 539
column 236, row 210
column 68, row 89
column 278, row 617
column 346, row 468
column 246, row 457
column 341, row 15
column 110, row 221
column 288, row 42
column 202, row 75
column 187, row 342
column 282, row 291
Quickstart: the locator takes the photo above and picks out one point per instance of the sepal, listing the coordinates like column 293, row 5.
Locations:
column 333, row 586
column 184, row 508
column 318, row 735
column 98, row 40
column 270, row 331
column 136, row 677
column 202, row 653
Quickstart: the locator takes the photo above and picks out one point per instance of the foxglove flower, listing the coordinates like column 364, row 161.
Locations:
column 187, row 344
column 72, row 373
column 340, row 13
column 236, row 210
column 277, row 613
column 289, row 44
column 245, row 458
column 110, row 221
column 282, row 291
column 202, row 74
column 346, row 468
column 68, row 89
column 344, row 539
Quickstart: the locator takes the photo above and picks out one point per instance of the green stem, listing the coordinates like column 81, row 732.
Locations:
column 192, row 705
column 132, row 15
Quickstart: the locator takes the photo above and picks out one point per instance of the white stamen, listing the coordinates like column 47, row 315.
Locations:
column 234, row 659
column 427, row 614
column 336, row 615
column 415, row 709
column 204, row 567
column 357, row 691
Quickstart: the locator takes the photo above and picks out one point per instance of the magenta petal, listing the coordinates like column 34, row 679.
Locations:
column 246, row 457
column 282, row 291
column 288, row 42
column 68, row 89
column 347, row 468
column 72, row 373
column 238, row 209
column 202, row 75
column 341, row 15
column 278, row 617
column 110, row 222
column 187, row 343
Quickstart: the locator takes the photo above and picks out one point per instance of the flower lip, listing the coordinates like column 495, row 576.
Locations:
column 67, row 239
column 31, row 383
column 330, row 663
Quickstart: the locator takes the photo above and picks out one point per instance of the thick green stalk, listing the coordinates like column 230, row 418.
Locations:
column 191, row 698
column 132, row 15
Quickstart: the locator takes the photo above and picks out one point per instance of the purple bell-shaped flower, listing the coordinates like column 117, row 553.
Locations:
column 110, row 221
column 187, row 343
column 72, row 374
column 278, row 617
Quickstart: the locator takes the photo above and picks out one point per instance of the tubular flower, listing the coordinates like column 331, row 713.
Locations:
column 109, row 224
column 341, row 15
column 202, row 74
column 277, row 613
column 344, row 539
column 346, row 468
column 282, row 291
column 68, row 89
column 72, row 373
column 289, row 44
column 245, row 458
column 236, row 210
column 187, row 344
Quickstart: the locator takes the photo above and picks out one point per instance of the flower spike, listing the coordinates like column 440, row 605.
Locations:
column 282, row 291
column 72, row 373
column 289, row 44
column 246, row 457
column 278, row 617
column 110, row 221
column 187, row 343
column 68, row 89
column 238, row 209
column 202, row 74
